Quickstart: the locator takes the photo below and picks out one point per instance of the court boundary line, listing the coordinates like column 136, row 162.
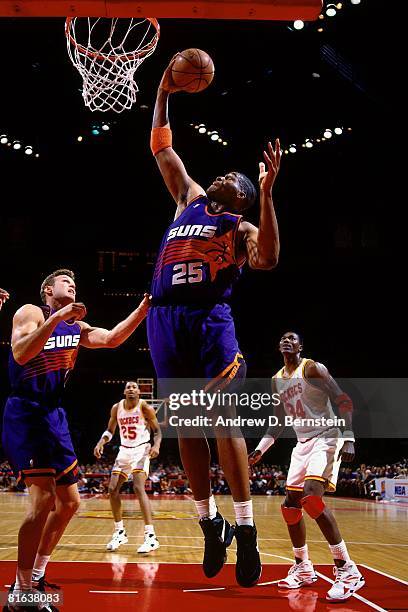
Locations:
column 384, row 574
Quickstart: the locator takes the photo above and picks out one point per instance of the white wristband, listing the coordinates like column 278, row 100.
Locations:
column 348, row 436
column 108, row 435
column 264, row 444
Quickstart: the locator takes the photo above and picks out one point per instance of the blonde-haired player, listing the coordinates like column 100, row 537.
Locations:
column 137, row 422
column 307, row 391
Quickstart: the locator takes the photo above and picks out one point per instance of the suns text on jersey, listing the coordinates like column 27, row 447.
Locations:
column 204, row 231
column 62, row 342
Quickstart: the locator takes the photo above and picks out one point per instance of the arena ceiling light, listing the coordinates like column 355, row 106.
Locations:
column 355, row 1
column 105, row 127
column 214, row 136
column 331, row 10
column 16, row 145
column 308, row 143
column 338, row 131
column 298, row 24
column 202, row 129
column 3, row 139
column 28, row 150
column 327, row 133
column 292, row 148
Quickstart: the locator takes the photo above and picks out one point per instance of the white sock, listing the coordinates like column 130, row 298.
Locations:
column 149, row 530
column 23, row 580
column 40, row 564
column 339, row 551
column 119, row 526
column 206, row 508
column 243, row 513
column 301, row 553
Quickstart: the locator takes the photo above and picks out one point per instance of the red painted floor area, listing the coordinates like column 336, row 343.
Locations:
column 175, row 587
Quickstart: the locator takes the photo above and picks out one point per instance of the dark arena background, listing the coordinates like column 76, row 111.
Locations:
column 89, row 197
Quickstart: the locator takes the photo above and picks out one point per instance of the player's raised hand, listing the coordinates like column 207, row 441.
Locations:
column 145, row 303
column 166, row 82
column 75, row 311
column 347, row 452
column 254, row 457
column 269, row 169
column 98, row 450
column 4, row 295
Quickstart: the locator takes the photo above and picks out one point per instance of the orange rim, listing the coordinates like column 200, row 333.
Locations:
column 126, row 56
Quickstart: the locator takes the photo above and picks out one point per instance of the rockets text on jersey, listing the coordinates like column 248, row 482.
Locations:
column 302, row 400
column 132, row 425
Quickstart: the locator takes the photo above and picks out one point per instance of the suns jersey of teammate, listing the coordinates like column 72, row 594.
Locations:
column 302, row 400
column 44, row 376
column 196, row 261
column 132, row 425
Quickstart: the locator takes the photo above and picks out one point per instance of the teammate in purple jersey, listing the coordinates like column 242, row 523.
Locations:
column 190, row 328
column 45, row 342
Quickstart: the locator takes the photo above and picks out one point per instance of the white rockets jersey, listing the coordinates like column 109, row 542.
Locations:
column 302, row 400
column 132, row 425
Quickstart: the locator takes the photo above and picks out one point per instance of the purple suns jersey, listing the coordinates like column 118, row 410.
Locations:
column 43, row 378
column 196, row 261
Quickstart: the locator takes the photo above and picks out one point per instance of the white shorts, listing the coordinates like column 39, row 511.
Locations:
column 131, row 460
column 316, row 459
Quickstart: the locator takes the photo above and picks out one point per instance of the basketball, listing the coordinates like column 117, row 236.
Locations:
column 192, row 70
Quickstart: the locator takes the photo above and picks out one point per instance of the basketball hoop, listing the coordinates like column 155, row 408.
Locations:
column 107, row 53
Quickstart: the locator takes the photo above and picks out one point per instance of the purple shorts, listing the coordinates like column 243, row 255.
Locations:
column 37, row 441
column 191, row 342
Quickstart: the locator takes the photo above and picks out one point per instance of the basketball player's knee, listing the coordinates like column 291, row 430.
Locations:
column 291, row 514
column 114, row 491
column 139, row 486
column 43, row 504
column 70, row 507
column 313, row 505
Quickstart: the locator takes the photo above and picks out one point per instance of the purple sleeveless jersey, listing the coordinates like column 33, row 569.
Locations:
column 196, row 261
column 35, row 436
column 190, row 328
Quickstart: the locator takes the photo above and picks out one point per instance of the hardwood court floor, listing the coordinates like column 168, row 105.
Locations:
column 375, row 534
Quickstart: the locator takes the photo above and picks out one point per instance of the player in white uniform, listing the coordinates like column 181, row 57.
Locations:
column 307, row 392
column 137, row 421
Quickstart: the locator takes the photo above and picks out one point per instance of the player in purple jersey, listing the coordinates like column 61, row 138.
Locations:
column 4, row 295
column 45, row 342
column 190, row 327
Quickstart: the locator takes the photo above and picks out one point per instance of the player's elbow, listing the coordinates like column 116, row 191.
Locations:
column 20, row 358
column 264, row 263
column 113, row 343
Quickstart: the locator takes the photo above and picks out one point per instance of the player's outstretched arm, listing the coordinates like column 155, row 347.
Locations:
column 4, row 295
column 31, row 332
column 262, row 245
column 319, row 376
column 153, row 424
column 273, row 432
column 108, row 433
column 98, row 337
column 180, row 185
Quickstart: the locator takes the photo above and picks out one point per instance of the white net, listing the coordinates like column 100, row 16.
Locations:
column 107, row 53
